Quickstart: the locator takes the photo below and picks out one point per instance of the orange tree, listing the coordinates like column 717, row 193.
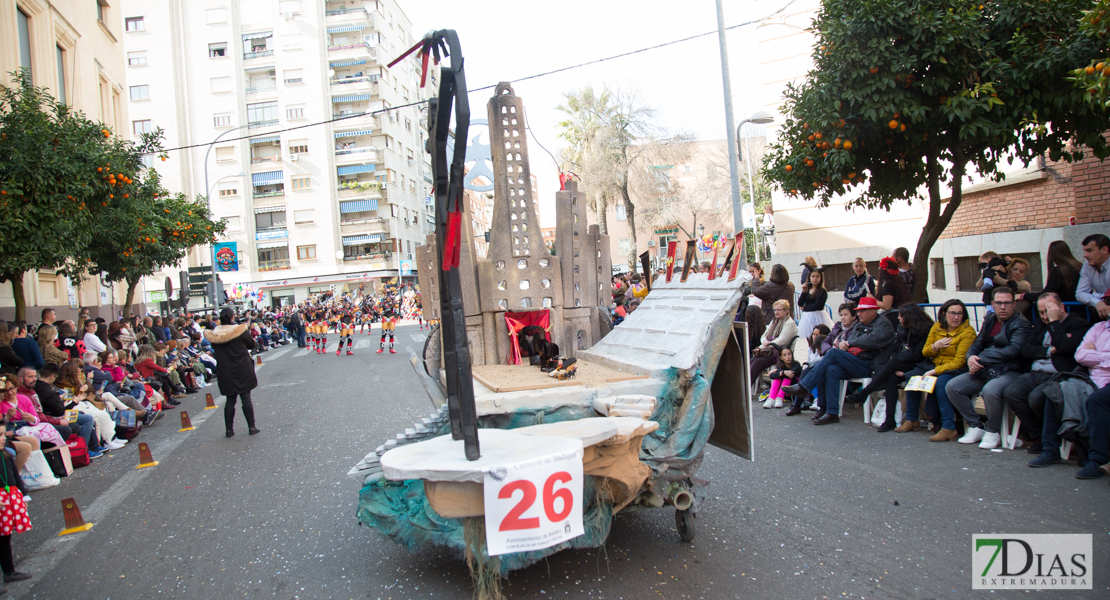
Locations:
column 58, row 172
column 1093, row 79
column 147, row 230
column 907, row 96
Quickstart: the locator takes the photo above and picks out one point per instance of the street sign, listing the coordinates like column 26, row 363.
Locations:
column 158, row 296
column 534, row 504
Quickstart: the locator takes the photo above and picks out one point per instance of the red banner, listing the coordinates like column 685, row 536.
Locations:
column 738, row 251
column 672, row 248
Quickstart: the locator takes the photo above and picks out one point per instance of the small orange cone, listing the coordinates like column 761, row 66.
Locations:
column 75, row 523
column 258, row 359
column 145, row 459
column 186, row 424
column 209, row 403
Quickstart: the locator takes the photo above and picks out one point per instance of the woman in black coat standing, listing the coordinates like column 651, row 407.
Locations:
column 231, row 346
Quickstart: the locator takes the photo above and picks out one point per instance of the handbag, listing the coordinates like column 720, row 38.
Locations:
column 36, row 473
column 124, row 418
column 60, row 461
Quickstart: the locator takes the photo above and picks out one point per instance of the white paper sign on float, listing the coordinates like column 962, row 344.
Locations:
column 534, row 504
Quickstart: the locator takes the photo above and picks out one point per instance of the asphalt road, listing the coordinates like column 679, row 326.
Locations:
column 273, row 515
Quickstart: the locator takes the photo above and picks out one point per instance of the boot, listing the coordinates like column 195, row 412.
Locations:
column 907, row 426
column 248, row 412
column 944, row 435
column 885, row 427
column 229, row 418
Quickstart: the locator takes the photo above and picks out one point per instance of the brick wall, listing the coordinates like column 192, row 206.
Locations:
column 1039, row 204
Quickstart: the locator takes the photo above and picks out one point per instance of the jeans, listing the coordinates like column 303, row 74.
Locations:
column 838, row 365
column 1098, row 426
column 1026, row 398
column 86, row 425
column 962, row 389
column 944, row 405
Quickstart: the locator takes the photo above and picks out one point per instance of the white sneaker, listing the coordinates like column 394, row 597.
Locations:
column 974, row 434
column 769, row 403
column 990, row 441
column 778, row 402
column 115, row 445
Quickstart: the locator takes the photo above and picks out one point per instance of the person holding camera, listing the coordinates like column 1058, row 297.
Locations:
column 994, row 361
column 231, row 346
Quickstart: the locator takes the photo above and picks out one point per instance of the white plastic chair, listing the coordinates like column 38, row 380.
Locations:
column 866, row 404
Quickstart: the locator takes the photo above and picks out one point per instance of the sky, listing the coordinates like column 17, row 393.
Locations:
column 506, row 40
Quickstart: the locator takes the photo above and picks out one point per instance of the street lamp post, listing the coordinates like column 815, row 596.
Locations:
column 208, row 201
column 760, row 117
column 733, row 162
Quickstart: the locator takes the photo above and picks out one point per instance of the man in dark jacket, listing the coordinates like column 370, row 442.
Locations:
column 869, row 345
column 1051, row 348
column 231, row 346
column 994, row 361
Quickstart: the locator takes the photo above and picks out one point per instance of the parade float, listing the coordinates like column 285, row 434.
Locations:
column 548, row 422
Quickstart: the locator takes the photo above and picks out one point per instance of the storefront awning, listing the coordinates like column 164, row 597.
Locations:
column 353, row 206
column 356, row 240
column 265, row 140
column 272, row 244
column 352, row 169
column 267, row 177
column 352, row 98
column 257, row 35
column 266, row 68
column 343, row 134
column 346, row 29
column 347, row 63
column 267, row 209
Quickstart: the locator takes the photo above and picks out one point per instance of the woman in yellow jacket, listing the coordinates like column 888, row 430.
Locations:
column 947, row 346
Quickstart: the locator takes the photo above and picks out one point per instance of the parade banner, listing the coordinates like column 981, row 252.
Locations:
column 713, row 265
column 534, row 504
column 672, row 248
column 645, row 262
column 691, row 256
column 227, row 257
column 738, row 251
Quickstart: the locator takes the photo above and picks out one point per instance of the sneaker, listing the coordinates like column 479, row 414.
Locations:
column 990, row 441
column 26, row 498
column 1091, row 471
column 340, row 350
column 769, row 402
column 95, row 454
column 350, row 352
column 380, row 350
column 778, row 402
column 116, row 445
column 1045, row 459
column 974, row 434
column 392, row 351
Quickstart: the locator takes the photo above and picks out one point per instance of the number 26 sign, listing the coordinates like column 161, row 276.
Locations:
column 534, row 504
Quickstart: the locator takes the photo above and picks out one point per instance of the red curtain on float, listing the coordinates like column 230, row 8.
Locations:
column 519, row 320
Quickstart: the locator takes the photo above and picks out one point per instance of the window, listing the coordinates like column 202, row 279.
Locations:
column 230, row 188
column 215, row 16
column 270, row 220
column 294, row 112
column 298, row 146
column 221, row 85
column 217, row 50
column 412, row 186
column 968, row 272
column 23, row 24
column 836, row 276
column 140, row 92
column 61, row 56
column 625, row 245
column 225, row 153
column 101, row 11
column 395, row 210
column 289, row 7
column 687, row 169
column 303, row 217
column 134, row 24
column 143, row 126
column 306, row 252
column 302, row 183
column 136, row 59
column 148, row 160
column 221, row 120
column 415, row 217
column 292, row 41
column 262, row 112
column 292, row 76
column 937, row 273
column 408, row 124
column 621, row 214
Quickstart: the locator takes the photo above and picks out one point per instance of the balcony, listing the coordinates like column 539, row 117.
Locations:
column 268, row 193
column 268, row 161
column 259, row 124
column 273, row 265
column 365, row 154
column 361, row 190
column 258, row 53
column 384, row 254
column 271, row 233
column 262, row 88
column 362, row 83
column 340, row 15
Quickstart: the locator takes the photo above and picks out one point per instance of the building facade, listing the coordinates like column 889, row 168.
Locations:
column 74, row 49
column 299, row 134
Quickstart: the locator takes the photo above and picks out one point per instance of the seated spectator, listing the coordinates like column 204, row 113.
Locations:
column 25, row 347
column 1063, row 274
column 1093, row 353
column 993, row 270
column 859, row 285
column 86, row 402
column 19, row 411
column 814, row 341
column 1094, row 277
column 1016, row 281
column 28, row 377
column 994, row 361
column 68, row 341
column 812, row 301
column 841, row 329
column 780, row 333
column 46, row 336
column 946, row 350
column 93, row 343
column 48, row 402
column 636, row 288
column 785, row 372
column 1052, row 346
column 98, row 381
column 869, row 344
column 913, row 329
column 777, row 288
column 893, row 292
column 10, row 362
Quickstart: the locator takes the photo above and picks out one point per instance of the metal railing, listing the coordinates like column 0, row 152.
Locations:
column 343, row 80
column 345, row 11
column 257, row 54
column 266, row 159
column 273, row 265
column 348, row 46
column 386, row 254
column 271, row 194
column 257, row 124
column 347, row 151
column 977, row 311
column 255, row 90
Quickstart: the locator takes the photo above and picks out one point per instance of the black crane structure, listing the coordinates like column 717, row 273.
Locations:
column 448, row 182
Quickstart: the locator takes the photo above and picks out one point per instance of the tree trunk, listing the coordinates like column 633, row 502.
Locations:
column 601, row 205
column 130, row 298
column 937, row 220
column 630, row 214
column 17, row 293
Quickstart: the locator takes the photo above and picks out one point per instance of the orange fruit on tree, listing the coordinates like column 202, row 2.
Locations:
column 837, row 142
column 903, row 127
column 787, row 168
column 874, row 70
column 851, row 175
column 893, row 124
column 848, row 145
column 1099, row 66
column 818, row 135
column 810, row 138
column 1089, row 70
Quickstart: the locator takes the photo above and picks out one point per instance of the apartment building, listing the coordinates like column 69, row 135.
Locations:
column 74, row 49
column 1019, row 217
column 297, row 132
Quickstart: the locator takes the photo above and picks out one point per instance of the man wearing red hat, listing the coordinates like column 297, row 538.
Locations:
column 869, row 345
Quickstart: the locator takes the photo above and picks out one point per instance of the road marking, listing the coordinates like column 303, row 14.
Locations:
column 303, row 352
column 420, row 338
column 277, row 354
column 360, row 344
